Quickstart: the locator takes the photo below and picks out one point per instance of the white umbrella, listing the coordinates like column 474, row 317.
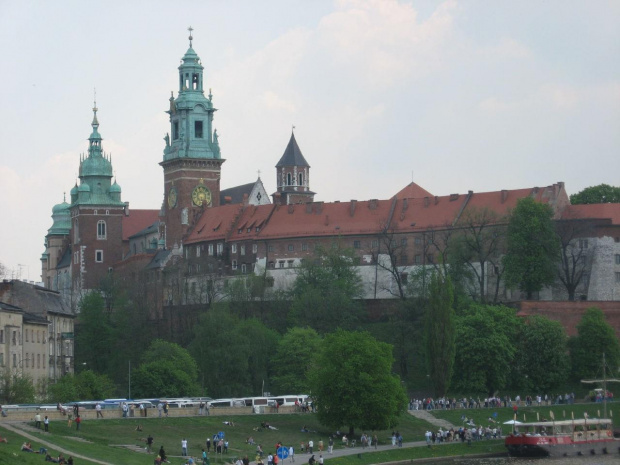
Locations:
column 513, row 422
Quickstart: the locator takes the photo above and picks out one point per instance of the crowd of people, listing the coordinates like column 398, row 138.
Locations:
column 444, row 403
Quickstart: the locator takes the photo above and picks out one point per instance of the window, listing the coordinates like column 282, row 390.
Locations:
column 233, row 248
column 14, row 338
column 289, row 181
column 418, row 241
column 101, row 230
column 175, row 130
column 272, row 265
column 254, row 248
column 583, row 243
column 304, row 247
column 1, row 360
column 1, row 336
column 281, row 264
column 198, row 129
column 375, row 243
column 290, row 264
column 270, row 248
column 76, row 258
column 220, row 248
column 210, row 249
column 430, row 258
column 617, row 277
column 14, row 360
column 617, row 259
column 234, row 264
column 244, row 268
column 403, row 242
column 26, row 335
column 43, row 360
column 357, row 245
column 301, row 179
column 27, row 360
column 291, row 247
column 38, row 360
column 242, row 250
column 99, row 256
column 198, row 251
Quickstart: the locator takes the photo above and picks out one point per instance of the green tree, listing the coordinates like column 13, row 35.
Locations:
column 541, row 361
column 486, row 338
column 603, row 193
column 168, row 370
column 16, row 388
column 440, row 333
column 293, row 358
column 353, row 385
column 326, row 292
column 532, row 247
column 82, row 386
column 94, row 335
column 594, row 337
column 232, row 354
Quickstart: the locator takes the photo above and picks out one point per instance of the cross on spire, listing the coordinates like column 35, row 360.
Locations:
column 190, row 29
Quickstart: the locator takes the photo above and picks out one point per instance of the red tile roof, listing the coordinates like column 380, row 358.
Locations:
column 412, row 191
column 327, row 219
column 215, row 223
column 596, row 210
column 254, row 218
column 137, row 221
column 426, row 213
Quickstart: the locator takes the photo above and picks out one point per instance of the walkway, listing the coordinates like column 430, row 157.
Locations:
column 424, row 415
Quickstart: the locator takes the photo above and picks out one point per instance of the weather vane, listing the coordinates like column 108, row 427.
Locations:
column 190, row 29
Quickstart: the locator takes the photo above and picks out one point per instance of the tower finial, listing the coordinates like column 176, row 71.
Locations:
column 190, row 29
column 95, row 121
column 293, row 129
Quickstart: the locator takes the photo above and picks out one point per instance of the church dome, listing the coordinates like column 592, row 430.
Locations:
column 115, row 188
column 61, row 207
column 96, row 166
column 74, row 190
column 62, row 220
column 84, row 187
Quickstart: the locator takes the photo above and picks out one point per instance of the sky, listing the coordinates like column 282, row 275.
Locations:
column 453, row 95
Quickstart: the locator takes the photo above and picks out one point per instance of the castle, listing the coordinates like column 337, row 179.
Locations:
column 225, row 233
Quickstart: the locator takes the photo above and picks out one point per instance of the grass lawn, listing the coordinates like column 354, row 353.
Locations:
column 481, row 416
column 96, row 436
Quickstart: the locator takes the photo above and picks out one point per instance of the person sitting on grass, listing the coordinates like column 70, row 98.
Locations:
column 3, row 439
column 27, row 447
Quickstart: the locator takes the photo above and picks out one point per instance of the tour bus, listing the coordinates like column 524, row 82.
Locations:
column 290, row 399
column 257, row 402
column 217, row 403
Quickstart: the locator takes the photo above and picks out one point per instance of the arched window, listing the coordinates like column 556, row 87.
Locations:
column 101, row 229
column 289, row 181
column 301, row 179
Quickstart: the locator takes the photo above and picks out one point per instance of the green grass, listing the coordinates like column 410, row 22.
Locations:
column 561, row 412
column 456, row 449
column 168, row 432
column 11, row 451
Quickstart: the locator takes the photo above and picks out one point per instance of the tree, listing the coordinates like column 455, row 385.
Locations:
column 478, row 244
column 94, row 338
column 167, row 370
column 440, row 346
column 603, row 193
column 233, row 355
column 326, row 292
column 84, row 385
column 486, row 338
column 541, row 361
column 352, row 383
column 532, row 247
column 594, row 337
column 573, row 263
column 293, row 358
column 16, row 388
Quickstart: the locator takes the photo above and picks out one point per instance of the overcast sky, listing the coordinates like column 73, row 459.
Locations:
column 454, row 95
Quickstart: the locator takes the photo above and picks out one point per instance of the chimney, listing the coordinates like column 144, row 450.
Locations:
column 427, row 202
column 504, row 194
column 353, row 205
column 454, row 197
column 309, row 207
column 126, row 208
column 372, row 204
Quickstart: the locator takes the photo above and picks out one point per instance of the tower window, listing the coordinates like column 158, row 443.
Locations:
column 289, row 180
column 99, row 256
column 198, row 129
column 101, row 229
column 195, row 81
column 301, row 179
column 175, row 130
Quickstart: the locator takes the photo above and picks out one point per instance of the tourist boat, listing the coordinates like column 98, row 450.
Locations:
column 566, row 438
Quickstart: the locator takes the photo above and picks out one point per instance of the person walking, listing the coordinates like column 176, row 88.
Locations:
column 78, row 422
column 330, row 445
column 37, row 421
column 310, row 446
column 291, row 453
column 98, row 410
column 46, row 424
column 149, row 443
column 184, row 447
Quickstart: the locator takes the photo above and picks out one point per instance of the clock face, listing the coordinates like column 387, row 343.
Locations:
column 201, row 194
column 172, row 197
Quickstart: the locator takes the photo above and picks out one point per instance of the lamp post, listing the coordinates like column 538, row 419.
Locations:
column 129, row 393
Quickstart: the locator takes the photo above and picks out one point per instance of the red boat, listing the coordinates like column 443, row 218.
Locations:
column 566, row 438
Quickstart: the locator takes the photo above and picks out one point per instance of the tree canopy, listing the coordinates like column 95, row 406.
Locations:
column 84, row 385
column 440, row 333
column 293, row 358
column 594, row 337
column 353, row 385
column 532, row 247
column 603, row 193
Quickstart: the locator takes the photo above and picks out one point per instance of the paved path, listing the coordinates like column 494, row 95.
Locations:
column 424, row 415
column 49, row 445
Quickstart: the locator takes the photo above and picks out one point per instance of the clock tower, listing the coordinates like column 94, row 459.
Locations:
column 192, row 162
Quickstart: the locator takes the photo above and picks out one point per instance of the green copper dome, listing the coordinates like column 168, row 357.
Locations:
column 115, row 188
column 62, row 220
